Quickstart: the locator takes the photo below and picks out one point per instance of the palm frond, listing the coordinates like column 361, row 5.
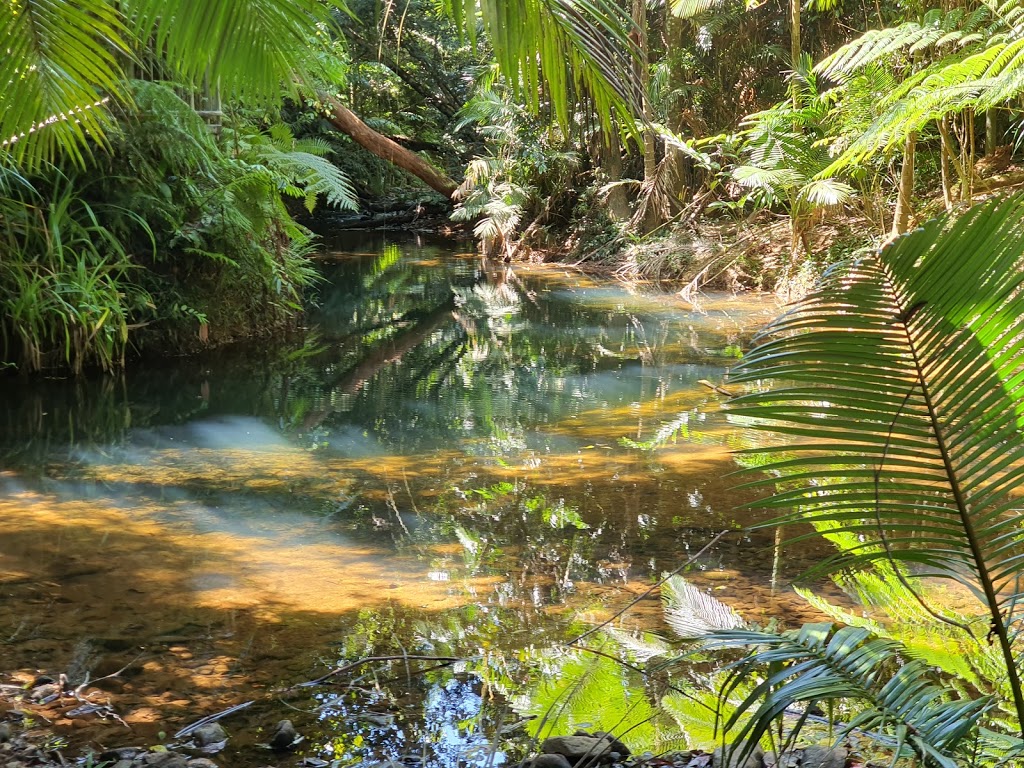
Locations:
column 60, row 62
column 254, row 49
column 901, row 380
column 570, row 47
column 692, row 613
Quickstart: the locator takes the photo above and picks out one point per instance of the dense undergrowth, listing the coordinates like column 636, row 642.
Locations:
column 179, row 234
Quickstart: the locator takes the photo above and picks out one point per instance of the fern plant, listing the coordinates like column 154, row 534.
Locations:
column 900, row 384
column 785, row 155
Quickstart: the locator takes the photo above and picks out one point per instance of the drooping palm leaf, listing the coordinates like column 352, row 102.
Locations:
column 901, row 380
column 562, row 50
column 253, row 48
column 59, row 62
column 63, row 59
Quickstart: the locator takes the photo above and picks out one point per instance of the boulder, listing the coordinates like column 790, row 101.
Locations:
column 210, row 738
column 817, row 756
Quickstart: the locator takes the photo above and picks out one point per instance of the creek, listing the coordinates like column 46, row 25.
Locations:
column 456, row 459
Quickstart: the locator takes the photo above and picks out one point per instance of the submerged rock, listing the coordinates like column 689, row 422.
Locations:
column 285, row 737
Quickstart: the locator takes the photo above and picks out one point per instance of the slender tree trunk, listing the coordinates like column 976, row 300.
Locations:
column 947, row 182
column 345, row 121
column 611, row 161
column 993, row 130
column 675, row 38
column 949, row 149
column 901, row 218
column 971, row 146
column 794, row 45
column 640, row 17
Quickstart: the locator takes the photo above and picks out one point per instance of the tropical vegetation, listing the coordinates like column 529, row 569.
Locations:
column 161, row 165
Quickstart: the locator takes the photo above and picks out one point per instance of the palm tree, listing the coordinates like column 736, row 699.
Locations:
column 901, row 385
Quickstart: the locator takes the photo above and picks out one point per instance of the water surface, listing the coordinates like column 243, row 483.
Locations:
column 458, row 458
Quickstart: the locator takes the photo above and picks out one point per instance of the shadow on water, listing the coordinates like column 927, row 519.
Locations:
column 461, row 458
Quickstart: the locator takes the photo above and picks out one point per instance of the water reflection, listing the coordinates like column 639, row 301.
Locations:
column 452, row 435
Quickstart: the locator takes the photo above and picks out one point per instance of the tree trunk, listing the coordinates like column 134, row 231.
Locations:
column 794, row 46
column 650, row 213
column 950, row 151
column 345, row 121
column 675, row 39
column 611, row 162
column 901, row 218
column 994, row 130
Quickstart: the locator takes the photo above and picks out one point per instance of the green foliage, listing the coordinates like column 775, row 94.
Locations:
column 64, row 65
column 574, row 48
column 903, row 698
column 66, row 282
column 899, row 380
column 528, row 162
column 84, row 267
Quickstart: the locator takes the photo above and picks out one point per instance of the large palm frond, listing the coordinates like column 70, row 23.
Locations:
column 64, row 58
column 902, row 381
column 252, row 49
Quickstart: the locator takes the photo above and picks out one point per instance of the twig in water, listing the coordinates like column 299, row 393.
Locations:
column 650, row 589
column 212, row 718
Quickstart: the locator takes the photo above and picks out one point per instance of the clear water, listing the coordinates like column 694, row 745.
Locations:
column 458, row 458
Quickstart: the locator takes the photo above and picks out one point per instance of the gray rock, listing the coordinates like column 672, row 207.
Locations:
column 734, row 753
column 579, row 747
column 817, row 756
column 157, row 758
column 120, row 753
column 202, row 762
column 5, row 732
column 210, row 733
column 547, row 761
column 284, row 737
column 123, row 764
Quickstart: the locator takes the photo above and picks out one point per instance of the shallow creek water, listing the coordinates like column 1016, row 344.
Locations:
column 459, row 458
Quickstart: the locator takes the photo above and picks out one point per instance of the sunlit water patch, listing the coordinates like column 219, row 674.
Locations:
column 463, row 459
